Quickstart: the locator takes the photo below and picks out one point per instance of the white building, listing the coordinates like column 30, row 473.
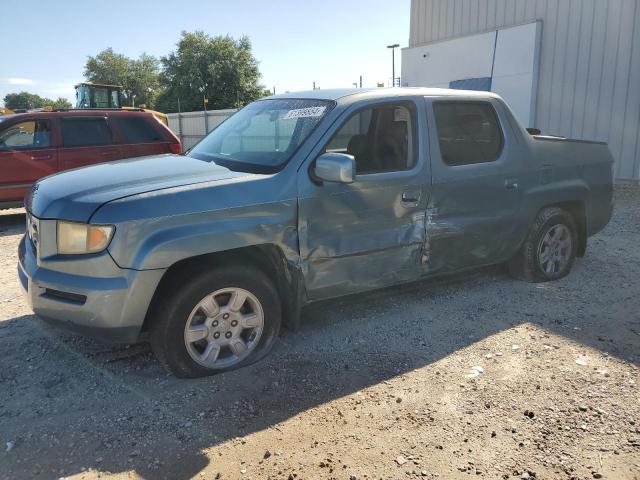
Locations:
column 567, row 67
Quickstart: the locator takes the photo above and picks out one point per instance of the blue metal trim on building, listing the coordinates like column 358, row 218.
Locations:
column 482, row 84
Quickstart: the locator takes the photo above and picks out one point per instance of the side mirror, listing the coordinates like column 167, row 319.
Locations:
column 533, row 131
column 336, row 167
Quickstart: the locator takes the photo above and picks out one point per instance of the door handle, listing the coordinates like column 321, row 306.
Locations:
column 511, row 183
column 109, row 152
column 411, row 198
column 41, row 157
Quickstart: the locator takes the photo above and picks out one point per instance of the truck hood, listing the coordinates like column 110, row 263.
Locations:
column 77, row 194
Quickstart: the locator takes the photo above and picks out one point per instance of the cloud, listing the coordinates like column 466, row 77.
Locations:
column 59, row 89
column 21, row 81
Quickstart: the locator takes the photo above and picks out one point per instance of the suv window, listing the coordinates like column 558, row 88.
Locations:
column 31, row 134
column 468, row 132
column 83, row 131
column 380, row 138
column 137, row 129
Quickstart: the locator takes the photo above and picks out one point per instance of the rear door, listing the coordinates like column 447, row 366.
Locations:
column 27, row 153
column 369, row 233
column 140, row 135
column 87, row 140
column 474, row 217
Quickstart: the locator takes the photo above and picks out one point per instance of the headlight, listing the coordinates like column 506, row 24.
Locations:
column 78, row 238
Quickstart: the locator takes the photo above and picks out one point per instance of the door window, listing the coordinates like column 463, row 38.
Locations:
column 468, row 132
column 137, row 130
column 380, row 138
column 26, row 135
column 84, row 131
column 101, row 96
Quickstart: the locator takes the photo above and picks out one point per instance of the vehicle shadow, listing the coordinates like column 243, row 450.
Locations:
column 120, row 411
column 12, row 222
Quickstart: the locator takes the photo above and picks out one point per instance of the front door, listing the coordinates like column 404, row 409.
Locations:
column 87, row 140
column 27, row 153
column 474, row 215
column 369, row 233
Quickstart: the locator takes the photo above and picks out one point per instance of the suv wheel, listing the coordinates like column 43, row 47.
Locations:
column 219, row 320
column 549, row 251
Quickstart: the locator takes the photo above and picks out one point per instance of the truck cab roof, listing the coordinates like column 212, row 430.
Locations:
column 355, row 94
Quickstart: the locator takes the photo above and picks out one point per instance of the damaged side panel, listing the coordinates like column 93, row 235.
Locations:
column 474, row 216
column 366, row 234
column 245, row 218
column 357, row 250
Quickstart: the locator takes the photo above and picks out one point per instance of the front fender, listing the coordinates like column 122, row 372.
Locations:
column 161, row 242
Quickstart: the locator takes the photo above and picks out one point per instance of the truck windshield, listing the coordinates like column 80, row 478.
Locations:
column 263, row 136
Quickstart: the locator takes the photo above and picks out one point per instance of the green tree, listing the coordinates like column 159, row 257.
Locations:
column 21, row 100
column 140, row 79
column 221, row 68
column 61, row 104
column 144, row 82
column 28, row 101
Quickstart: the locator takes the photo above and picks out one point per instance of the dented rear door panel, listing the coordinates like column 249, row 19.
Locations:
column 474, row 213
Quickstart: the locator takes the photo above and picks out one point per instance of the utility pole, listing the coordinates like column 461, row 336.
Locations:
column 180, row 122
column 393, row 62
column 203, row 90
column 314, row 84
column 360, row 81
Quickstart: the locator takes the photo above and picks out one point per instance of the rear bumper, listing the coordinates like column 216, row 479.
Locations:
column 110, row 309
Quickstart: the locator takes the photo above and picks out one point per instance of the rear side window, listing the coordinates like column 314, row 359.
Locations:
column 31, row 134
column 381, row 138
column 468, row 132
column 85, row 131
column 137, row 129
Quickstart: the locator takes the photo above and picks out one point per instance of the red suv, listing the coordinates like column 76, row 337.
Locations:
column 34, row 145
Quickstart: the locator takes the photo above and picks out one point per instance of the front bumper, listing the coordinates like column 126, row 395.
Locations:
column 90, row 295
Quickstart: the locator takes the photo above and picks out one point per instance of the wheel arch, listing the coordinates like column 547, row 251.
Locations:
column 268, row 258
column 577, row 210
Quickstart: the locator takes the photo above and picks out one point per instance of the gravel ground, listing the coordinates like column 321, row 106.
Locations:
column 477, row 376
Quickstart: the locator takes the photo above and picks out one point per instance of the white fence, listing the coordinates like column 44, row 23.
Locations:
column 190, row 127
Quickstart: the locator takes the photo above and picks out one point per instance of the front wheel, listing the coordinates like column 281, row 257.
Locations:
column 219, row 320
column 549, row 251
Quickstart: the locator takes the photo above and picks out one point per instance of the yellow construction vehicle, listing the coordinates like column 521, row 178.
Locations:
column 101, row 95
column 6, row 111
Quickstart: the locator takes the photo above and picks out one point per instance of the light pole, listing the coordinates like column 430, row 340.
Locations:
column 203, row 90
column 393, row 62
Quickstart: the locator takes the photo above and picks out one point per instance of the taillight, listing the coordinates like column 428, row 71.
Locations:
column 175, row 148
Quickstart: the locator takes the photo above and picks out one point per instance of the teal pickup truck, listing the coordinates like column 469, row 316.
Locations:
column 302, row 197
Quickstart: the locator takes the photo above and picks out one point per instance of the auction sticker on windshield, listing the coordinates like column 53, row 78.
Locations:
column 305, row 112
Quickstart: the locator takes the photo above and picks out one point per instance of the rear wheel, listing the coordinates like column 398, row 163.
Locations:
column 219, row 320
column 549, row 251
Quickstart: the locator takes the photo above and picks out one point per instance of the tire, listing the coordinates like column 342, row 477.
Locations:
column 187, row 303
column 529, row 262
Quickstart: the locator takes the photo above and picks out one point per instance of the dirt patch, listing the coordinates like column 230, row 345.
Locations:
column 477, row 376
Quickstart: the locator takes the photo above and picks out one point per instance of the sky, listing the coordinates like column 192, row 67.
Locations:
column 46, row 42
